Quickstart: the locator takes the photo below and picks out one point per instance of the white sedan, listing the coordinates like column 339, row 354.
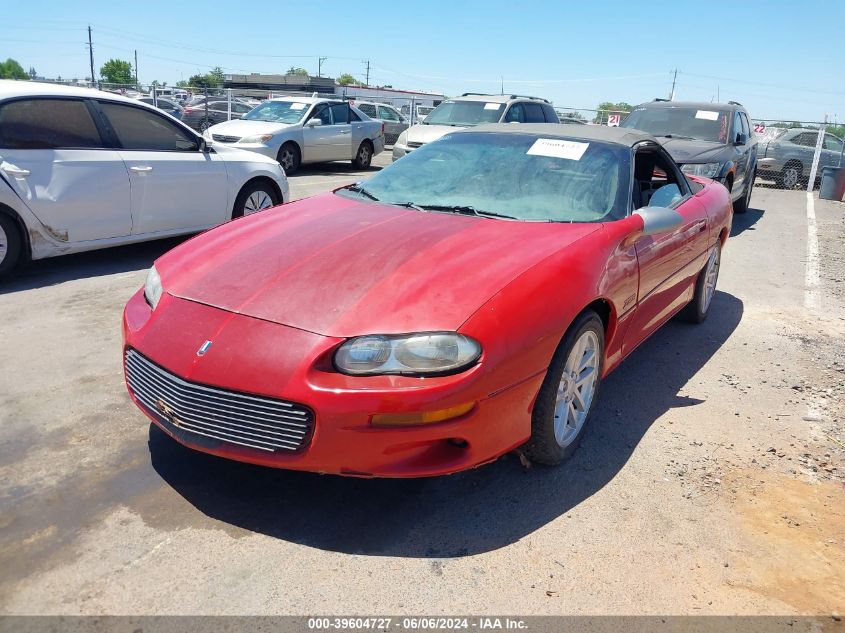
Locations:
column 300, row 130
column 83, row 169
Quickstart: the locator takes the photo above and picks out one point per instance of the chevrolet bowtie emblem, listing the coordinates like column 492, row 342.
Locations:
column 204, row 348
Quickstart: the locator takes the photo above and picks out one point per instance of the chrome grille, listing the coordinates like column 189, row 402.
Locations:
column 222, row 138
column 233, row 417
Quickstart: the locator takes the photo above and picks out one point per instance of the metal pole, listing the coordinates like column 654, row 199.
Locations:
column 136, row 69
column 205, row 92
column 91, row 57
column 229, row 104
column 672, row 94
column 816, row 156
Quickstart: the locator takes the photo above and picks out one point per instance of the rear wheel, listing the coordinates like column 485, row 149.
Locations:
column 364, row 157
column 289, row 158
column 255, row 197
column 566, row 398
column 11, row 244
column 697, row 310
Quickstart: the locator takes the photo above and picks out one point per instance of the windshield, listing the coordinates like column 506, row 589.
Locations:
column 277, row 112
column 705, row 125
column 521, row 176
column 464, row 113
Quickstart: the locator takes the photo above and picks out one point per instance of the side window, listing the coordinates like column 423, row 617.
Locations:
column 746, row 127
column 387, row 114
column 533, row 113
column 340, row 114
column 47, row 124
column 322, row 112
column 657, row 182
column 737, row 126
column 550, row 114
column 368, row 108
column 140, row 129
column 806, row 139
column 516, row 114
column 832, row 143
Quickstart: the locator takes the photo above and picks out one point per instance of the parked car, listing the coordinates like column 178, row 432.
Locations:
column 165, row 105
column 466, row 300
column 83, row 169
column 394, row 122
column 706, row 139
column 200, row 117
column 787, row 157
column 472, row 109
column 301, row 130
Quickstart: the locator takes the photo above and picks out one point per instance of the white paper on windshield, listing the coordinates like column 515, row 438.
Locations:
column 492, row 106
column 707, row 114
column 297, row 106
column 555, row 148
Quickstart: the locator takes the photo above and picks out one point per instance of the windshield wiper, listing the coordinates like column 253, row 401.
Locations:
column 465, row 210
column 362, row 191
column 407, row 205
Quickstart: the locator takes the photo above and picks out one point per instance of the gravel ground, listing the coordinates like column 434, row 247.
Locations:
column 711, row 481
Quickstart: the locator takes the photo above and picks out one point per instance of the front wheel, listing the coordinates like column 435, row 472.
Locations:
column 254, row 197
column 741, row 205
column 364, row 157
column 790, row 177
column 289, row 158
column 566, row 398
column 705, row 287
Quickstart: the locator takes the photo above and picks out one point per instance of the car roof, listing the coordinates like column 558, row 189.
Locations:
column 11, row 88
column 617, row 135
column 298, row 99
column 468, row 96
column 699, row 105
column 358, row 102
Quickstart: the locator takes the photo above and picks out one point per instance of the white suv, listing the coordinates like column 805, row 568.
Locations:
column 82, row 169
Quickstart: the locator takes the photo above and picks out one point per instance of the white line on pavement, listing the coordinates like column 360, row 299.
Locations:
column 811, row 275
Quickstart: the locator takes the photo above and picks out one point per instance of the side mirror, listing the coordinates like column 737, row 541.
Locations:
column 314, row 122
column 658, row 220
column 741, row 139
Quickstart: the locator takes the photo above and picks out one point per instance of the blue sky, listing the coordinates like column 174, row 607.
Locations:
column 779, row 61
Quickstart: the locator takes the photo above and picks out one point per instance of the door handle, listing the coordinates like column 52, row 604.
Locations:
column 138, row 169
column 345, row 132
column 17, row 172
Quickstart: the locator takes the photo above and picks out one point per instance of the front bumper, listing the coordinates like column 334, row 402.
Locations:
column 257, row 357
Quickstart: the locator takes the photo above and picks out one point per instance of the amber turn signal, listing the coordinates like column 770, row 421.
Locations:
column 421, row 417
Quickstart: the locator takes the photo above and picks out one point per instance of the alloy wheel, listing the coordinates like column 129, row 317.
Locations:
column 286, row 159
column 790, row 177
column 577, row 388
column 364, row 155
column 711, row 276
column 4, row 244
column 257, row 201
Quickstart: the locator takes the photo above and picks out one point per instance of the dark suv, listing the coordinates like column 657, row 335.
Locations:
column 706, row 139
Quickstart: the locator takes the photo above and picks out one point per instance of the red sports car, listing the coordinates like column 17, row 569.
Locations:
column 463, row 302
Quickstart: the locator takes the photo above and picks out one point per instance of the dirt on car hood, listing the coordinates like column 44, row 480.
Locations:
column 695, row 151
column 339, row 267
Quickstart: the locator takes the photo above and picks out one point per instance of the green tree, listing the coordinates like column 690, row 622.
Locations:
column 297, row 71
column 11, row 69
column 212, row 79
column 346, row 80
column 216, row 77
column 606, row 107
column 117, row 71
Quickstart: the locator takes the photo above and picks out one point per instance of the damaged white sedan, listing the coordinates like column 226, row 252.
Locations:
column 82, row 169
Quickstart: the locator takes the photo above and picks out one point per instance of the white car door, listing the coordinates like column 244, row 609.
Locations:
column 53, row 156
column 174, row 184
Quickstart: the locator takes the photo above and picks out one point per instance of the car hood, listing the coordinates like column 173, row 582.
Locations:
column 240, row 127
column 694, row 150
column 339, row 267
column 429, row 133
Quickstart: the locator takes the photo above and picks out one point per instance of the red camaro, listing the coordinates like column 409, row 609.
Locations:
column 463, row 302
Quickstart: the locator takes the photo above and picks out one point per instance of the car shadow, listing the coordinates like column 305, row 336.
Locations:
column 107, row 261
column 745, row 221
column 463, row 514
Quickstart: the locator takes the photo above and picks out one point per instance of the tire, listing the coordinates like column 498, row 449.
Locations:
column 11, row 245
column 255, row 197
column 741, row 205
column 364, row 158
column 289, row 158
column 791, row 175
column 696, row 311
column 205, row 124
column 563, row 406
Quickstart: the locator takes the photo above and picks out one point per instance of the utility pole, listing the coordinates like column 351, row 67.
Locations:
column 502, row 80
column 367, row 82
column 91, row 57
column 136, row 68
column 320, row 61
column 672, row 94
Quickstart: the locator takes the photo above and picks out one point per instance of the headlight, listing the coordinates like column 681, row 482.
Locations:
column 424, row 353
column 403, row 138
column 261, row 138
column 152, row 288
column 708, row 170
